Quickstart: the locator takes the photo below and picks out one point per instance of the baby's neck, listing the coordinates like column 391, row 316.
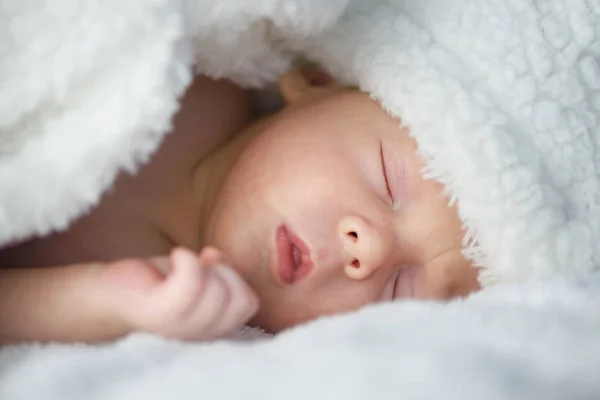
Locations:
column 210, row 174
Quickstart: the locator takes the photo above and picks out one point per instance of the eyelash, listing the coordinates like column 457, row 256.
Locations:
column 385, row 177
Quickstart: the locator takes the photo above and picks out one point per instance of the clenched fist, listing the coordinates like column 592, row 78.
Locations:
column 184, row 296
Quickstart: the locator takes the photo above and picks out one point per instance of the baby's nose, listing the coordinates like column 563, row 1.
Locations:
column 363, row 247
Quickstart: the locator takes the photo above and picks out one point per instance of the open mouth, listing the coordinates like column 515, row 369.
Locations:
column 293, row 257
column 296, row 256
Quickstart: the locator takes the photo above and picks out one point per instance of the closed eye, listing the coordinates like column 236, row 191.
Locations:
column 385, row 175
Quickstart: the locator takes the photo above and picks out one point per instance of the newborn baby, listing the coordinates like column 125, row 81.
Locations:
column 323, row 209
column 318, row 209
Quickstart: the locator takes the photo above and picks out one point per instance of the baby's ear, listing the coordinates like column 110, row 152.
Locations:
column 306, row 83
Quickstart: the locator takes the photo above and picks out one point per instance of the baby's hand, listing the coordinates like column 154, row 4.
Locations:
column 198, row 299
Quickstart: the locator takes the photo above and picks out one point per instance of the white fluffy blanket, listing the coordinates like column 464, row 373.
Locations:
column 536, row 341
column 502, row 96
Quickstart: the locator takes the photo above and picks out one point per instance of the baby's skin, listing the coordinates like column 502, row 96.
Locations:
column 318, row 209
column 117, row 269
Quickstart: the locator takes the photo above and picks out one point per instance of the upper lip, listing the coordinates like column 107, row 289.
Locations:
column 289, row 267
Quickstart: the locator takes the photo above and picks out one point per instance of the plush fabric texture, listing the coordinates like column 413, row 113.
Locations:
column 521, row 342
column 88, row 89
column 503, row 98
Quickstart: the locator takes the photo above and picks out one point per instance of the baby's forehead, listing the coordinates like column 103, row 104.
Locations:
column 350, row 106
column 326, row 121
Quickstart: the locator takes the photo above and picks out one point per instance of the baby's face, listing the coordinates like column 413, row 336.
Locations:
column 325, row 211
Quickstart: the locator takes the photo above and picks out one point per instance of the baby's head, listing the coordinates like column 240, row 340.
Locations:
column 325, row 210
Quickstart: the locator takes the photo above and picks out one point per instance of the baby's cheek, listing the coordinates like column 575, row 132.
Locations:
column 282, row 308
column 322, row 256
column 450, row 277
column 467, row 281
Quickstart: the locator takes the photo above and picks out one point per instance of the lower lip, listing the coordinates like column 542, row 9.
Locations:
column 287, row 273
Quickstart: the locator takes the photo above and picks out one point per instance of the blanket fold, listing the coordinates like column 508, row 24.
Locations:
column 86, row 89
column 89, row 89
column 521, row 342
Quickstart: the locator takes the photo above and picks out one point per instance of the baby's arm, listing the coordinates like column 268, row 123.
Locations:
column 195, row 300
column 56, row 304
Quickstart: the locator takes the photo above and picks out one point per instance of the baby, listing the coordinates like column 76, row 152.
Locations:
column 315, row 210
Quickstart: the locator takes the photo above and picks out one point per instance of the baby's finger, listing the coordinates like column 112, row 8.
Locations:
column 211, row 256
column 242, row 305
column 184, row 284
column 202, row 322
column 161, row 263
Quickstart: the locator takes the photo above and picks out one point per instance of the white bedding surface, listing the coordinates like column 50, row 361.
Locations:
column 534, row 341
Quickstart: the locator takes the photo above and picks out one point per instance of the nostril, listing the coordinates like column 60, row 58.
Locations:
column 353, row 235
column 356, row 263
